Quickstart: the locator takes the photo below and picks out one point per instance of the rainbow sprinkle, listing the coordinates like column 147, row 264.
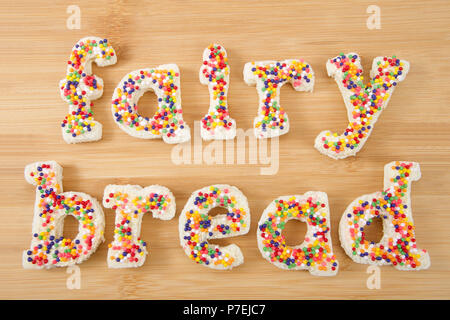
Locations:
column 364, row 102
column 48, row 247
column 168, row 121
column 270, row 76
column 128, row 249
column 391, row 205
column 80, row 87
column 315, row 254
column 215, row 72
column 198, row 226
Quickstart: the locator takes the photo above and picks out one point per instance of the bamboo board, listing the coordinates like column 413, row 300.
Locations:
column 36, row 44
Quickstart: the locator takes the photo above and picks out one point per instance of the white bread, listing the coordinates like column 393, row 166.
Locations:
column 125, row 218
column 124, row 106
column 83, row 87
column 41, row 214
column 347, row 226
column 209, row 73
column 355, row 122
column 271, row 239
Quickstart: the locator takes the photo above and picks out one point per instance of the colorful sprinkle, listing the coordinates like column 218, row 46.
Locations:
column 364, row 102
column 269, row 77
column 197, row 226
column 398, row 246
column 130, row 204
column 80, row 87
column 49, row 248
column 167, row 122
column 315, row 253
column 215, row 72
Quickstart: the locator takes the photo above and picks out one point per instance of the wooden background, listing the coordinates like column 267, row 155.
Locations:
column 35, row 45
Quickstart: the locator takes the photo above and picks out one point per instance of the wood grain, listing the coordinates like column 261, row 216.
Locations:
column 35, row 45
